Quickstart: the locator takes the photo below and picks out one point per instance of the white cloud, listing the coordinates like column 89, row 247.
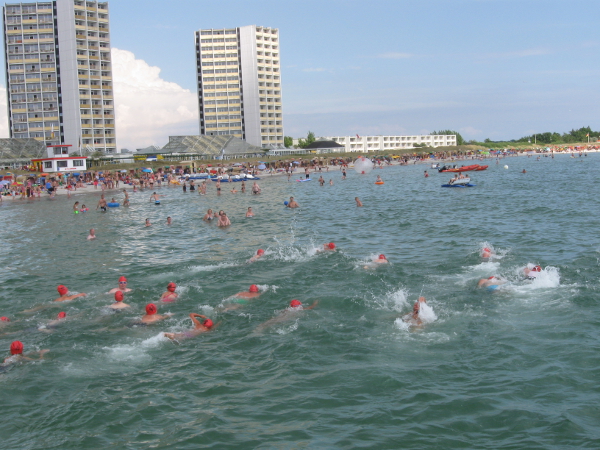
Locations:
column 148, row 108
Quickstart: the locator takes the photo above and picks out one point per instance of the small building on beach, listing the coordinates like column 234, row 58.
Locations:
column 59, row 160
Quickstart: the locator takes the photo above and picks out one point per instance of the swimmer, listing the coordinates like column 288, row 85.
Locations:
column 233, row 190
column 287, row 314
column 259, row 253
column 49, row 327
column 63, row 291
column 209, row 216
column 327, row 248
column 199, row 328
column 378, row 180
column 426, row 174
column 101, row 204
column 4, row 321
column 92, row 234
column 119, row 304
column 532, row 273
column 148, row 224
column 241, row 298
column 491, row 283
column 358, row 202
column 151, row 316
column 321, row 181
column 524, row 171
column 486, row 252
column 154, row 197
column 292, row 203
column 330, row 182
column 170, row 295
column 223, row 219
column 169, row 220
column 413, row 318
column 16, row 352
column 249, row 213
column 84, row 208
column 381, row 259
column 122, row 286
column 76, row 208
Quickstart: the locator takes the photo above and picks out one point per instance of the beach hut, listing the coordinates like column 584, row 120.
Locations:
column 59, row 160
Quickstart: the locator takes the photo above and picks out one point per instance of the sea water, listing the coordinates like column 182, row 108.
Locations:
column 517, row 367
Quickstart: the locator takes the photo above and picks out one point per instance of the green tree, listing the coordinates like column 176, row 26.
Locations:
column 310, row 138
column 288, row 141
column 459, row 138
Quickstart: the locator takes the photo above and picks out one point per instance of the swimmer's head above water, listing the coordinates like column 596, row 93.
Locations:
column 253, row 288
column 61, row 315
column 16, row 348
column 208, row 323
column 171, row 287
column 295, row 303
column 330, row 246
column 382, row 256
column 62, row 290
column 260, row 252
column 151, row 309
column 4, row 319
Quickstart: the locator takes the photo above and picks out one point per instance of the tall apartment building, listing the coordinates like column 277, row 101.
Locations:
column 239, row 84
column 59, row 74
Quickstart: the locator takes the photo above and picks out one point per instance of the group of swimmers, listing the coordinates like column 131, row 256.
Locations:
column 494, row 282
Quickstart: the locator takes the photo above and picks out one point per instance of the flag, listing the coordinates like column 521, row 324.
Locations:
column 357, row 136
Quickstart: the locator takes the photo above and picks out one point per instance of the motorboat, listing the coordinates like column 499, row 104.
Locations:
column 459, row 182
column 460, row 169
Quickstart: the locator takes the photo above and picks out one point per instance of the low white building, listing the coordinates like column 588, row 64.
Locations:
column 59, row 160
column 380, row 143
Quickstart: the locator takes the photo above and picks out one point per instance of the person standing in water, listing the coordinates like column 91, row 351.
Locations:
column 292, row 203
column 223, row 219
column 249, row 213
column 358, row 202
column 126, row 200
column 101, row 204
column 92, row 235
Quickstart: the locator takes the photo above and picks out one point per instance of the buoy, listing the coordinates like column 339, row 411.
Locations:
column 379, row 182
column 506, row 167
column 112, row 205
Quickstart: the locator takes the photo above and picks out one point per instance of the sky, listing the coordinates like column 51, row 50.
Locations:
column 497, row 69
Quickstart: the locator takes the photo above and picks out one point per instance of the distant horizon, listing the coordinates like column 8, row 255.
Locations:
column 496, row 69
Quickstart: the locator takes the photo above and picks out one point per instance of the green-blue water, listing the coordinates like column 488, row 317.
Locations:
column 514, row 369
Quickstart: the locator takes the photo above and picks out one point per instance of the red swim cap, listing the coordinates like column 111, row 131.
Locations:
column 331, row 245
column 208, row 323
column 119, row 296
column 491, row 278
column 61, row 315
column 537, row 269
column 295, row 303
column 122, row 279
column 16, row 348
column 260, row 251
column 253, row 288
column 4, row 319
column 62, row 290
column 382, row 256
column 150, row 309
column 487, row 250
column 171, row 287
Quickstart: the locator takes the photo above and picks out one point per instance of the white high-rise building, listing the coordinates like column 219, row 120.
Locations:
column 239, row 84
column 59, row 73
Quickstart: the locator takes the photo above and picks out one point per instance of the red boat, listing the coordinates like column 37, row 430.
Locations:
column 462, row 169
column 482, row 167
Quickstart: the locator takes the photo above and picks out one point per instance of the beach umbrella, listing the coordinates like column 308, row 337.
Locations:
column 147, row 170
column 4, row 182
column 296, row 162
column 123, row 171
column 262, row 167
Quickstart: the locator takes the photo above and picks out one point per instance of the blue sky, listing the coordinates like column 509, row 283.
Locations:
column 497, row 69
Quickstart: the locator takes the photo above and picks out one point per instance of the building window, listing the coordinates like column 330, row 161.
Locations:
column 47, row 164
column 78, row 163
column 60, row 164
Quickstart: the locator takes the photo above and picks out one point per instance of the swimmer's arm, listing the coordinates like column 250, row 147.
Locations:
column 315, row 303
column 196, row 321
column 41, row 353
column 71, row 297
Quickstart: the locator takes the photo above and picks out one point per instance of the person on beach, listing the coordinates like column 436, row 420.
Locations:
column 249, row 213
column 64, row 294
column 202, row 189
column 122, row 286
column 16, row 354
column 289, row 313
column 306, row 173
column 101, row 204
column 169, row 220
column 151, row 315
column 223, row 219
column 292, row 203
column 255, row 188
column 413, row 318
column 126, row 200
column 199, row 328
column 170, row 295
column 209, row 216
column 92, row 235
column 147, row 224
column 119, row 304
column 358, row 202
column 381, row 260
column 343, row 174
column 233, row 190
column 259, row 253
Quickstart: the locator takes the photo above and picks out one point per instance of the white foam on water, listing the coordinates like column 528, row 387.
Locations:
column 211, row 268
column 135, row 352
column 401, row 324
column 426, row 313
column 289, row 329
column 396, row 300
column 267, row 287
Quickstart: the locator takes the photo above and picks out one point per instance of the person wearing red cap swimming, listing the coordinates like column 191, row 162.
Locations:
column 241, row 298
column 16, row 354
column 4, row 321
column 381, row 259
column 199, row 328
column 170, row 295
column 413, row 318
column 122, row 286
column 491, row 283
column 486, row 252
column 118, row 304
column 327, row 247
column 259, row 253
column 151, row 315
column 287, row 314
column 532, row 272
column 63, row 291
column 49, row 327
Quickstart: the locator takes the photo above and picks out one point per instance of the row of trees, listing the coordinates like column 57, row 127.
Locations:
column 555, row 138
